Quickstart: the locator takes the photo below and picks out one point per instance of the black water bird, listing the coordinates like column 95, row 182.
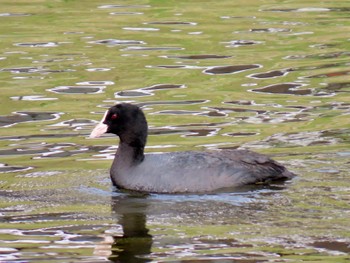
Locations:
column 178, row 172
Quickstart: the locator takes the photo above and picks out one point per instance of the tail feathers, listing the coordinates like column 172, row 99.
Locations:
column 260, row 167
column 288, row 175
column 277, row 173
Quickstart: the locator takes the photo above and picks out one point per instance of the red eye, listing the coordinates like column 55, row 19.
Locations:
column 114, row 116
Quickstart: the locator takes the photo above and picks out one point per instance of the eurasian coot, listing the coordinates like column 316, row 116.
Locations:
column 178, row 172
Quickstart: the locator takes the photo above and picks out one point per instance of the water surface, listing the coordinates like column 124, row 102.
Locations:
column 269, row 76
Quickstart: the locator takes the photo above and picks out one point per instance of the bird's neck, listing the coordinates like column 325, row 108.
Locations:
column 130, row 153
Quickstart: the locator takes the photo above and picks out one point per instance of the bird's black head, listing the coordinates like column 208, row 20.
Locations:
column 125, row 120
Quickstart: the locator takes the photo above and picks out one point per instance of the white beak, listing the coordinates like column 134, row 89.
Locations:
column 100, row 128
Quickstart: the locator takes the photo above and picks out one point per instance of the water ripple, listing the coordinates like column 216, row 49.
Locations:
column 23, row 116
column 37, row 44
column 218, row 70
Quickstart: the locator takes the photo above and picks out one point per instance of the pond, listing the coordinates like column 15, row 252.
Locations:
column 268, row 76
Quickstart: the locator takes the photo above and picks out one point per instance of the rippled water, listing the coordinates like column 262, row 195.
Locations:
column 268, row 76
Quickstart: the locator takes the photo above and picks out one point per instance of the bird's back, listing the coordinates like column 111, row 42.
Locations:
column 194, row 171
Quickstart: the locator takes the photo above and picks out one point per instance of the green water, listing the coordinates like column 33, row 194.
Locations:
column 269, row 76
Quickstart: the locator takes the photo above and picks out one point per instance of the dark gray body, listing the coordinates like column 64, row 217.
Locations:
column 193, row 172
column 177, row 172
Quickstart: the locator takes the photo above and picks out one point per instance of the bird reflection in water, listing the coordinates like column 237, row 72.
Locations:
column 135, row 244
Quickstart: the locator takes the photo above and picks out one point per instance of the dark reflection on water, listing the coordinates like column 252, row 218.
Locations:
column 165, row 86
column 178, row 112
column 75, row 124
column 37, row 44
column 41, row 216
column 123, row 6
column 240, row 102
column 78, row 89
column 125, row 13
column 132, row 93
column 169, row 102
column 190, row 132
column 338, row 87
column 138, row 48
column 136, row 242
column 32, row 98
column 199, row 57
column 23, row 116
column 270, row 74
column 98, row 69
column 133, row 211
column 328, row 55
column 170, row 23
column 332, row 245
column 5, row 168
column 310, row 9
column 241, row 134
column 42, row 70
column 270, row 30
column 326, row 137
column 97, row 82
column 146, row 91
column 175, row 67
column 239, row 43
column 230, row 69
column 34, row 136
column 50, row 150
column 186, row 112
column 285, row 88
column 331, row 74
column 22, row 70
column 114, row 42
column 222, row 109
column 176, row 102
